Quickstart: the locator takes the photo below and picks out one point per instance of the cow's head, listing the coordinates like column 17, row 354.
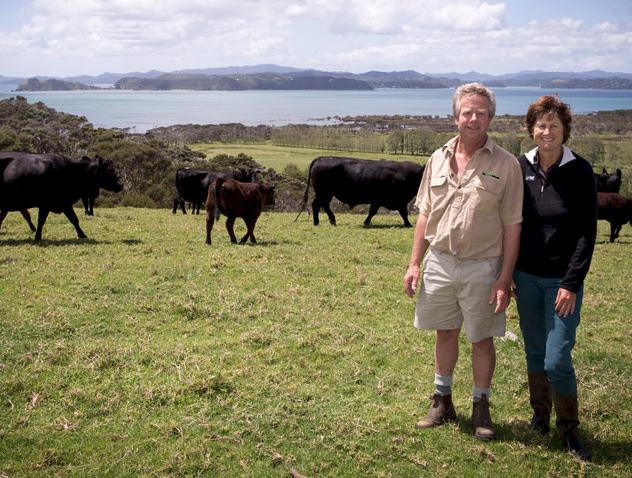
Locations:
column 267, row 193
column 107, row 175
column 609, row 182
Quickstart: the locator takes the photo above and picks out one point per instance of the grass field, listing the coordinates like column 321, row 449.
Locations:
column 144, row 352
column 278, row 157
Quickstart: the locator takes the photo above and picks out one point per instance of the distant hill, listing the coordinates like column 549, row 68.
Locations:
column 613, row 83
column 264, row 81
column 35, row 84
column 271, row 76
column 9, row 80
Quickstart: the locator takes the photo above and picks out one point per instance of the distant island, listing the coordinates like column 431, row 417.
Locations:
column 264, row 81
column 614, row 83
column 35, row 84
column 274, row 77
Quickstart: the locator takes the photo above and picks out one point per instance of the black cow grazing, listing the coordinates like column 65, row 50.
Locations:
column 615, row 209
column 608, row 182
column 389, row 184
column 25, row 215
column 51, row 182
column 237, row 199
column 192, row 186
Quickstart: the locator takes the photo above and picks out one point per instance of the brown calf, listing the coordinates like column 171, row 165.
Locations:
column 615, row 209
column 236, row 199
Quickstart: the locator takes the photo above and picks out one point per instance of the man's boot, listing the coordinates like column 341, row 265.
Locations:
column 541, row 401
column 482, row 421
column 567, row 423
column 441, row 411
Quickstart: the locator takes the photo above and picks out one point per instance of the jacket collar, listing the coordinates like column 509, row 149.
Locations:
column 567, row 155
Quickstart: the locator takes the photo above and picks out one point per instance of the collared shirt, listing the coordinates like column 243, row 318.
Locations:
column 540, row 170
column 467, row 215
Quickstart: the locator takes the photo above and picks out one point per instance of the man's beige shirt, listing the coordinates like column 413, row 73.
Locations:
column 466, row 215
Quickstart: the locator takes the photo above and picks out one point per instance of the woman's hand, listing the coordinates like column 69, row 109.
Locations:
column 565, row 302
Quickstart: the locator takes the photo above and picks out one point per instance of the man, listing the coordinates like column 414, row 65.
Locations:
column 470, row 214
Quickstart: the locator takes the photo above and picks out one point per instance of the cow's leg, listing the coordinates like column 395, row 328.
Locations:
column 612, row 229
column 86, row 205
column 91, row 206
column 403, row 211
column 617, row 230
column 74, row 220
column 330, row 214
column 250, row 231
column 41, row 219
column 324, row 203
column 373, row 209
column 230, row 222
column 315, row 209
column 210, row 220
column 27, row 218
column 3, row 214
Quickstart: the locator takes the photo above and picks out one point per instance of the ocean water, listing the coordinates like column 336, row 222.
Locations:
column 143, row 110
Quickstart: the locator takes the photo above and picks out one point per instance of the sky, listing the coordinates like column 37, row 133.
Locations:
column 73, row 37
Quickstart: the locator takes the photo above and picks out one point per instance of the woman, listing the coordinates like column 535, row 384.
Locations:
column 557, row 241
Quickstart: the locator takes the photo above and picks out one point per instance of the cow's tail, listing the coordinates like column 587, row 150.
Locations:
column 305, row 196
column 218, row 184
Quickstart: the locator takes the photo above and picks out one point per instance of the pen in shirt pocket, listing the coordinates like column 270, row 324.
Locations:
column 490, row 174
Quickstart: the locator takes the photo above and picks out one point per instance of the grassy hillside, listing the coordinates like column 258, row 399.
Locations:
column 143, row 352
column 278, row 157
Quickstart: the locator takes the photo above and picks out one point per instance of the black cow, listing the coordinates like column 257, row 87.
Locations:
column 615, row 209
column 192, row 186
column 51, row 182
column 389, row 184
column 608, row 182
column 236, row 199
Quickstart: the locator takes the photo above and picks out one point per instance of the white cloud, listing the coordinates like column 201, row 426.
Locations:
column 91, row 36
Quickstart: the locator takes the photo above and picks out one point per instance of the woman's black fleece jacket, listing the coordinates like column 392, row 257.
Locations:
column 559, row 220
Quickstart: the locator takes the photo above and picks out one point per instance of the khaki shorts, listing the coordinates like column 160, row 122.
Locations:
column 455, row 292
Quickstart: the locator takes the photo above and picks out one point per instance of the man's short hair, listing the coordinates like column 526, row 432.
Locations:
column 473, row 89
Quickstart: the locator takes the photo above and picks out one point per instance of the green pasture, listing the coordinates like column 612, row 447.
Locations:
column 277, row 157
column 143, row 352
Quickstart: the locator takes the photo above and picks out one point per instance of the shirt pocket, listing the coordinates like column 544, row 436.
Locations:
column 438, row 186
column 487, row 193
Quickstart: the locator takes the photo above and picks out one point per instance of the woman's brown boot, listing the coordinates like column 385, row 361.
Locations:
column 541, row 401
column 567, row 423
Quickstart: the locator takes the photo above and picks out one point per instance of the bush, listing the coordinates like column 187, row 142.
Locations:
column 137, row 200
column 294, row 172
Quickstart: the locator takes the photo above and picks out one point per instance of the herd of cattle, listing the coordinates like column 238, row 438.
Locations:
column 54, row 183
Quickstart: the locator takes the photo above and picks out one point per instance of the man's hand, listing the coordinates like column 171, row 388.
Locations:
column 411, row 279
column 501, row 294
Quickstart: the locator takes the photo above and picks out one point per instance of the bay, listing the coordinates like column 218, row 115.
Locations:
column 143, row 110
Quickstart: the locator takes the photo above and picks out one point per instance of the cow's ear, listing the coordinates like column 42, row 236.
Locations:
column 99, row 160
column 603, row 171
column 619, row 173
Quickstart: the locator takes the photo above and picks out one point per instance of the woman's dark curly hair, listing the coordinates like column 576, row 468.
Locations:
column 549, row 104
